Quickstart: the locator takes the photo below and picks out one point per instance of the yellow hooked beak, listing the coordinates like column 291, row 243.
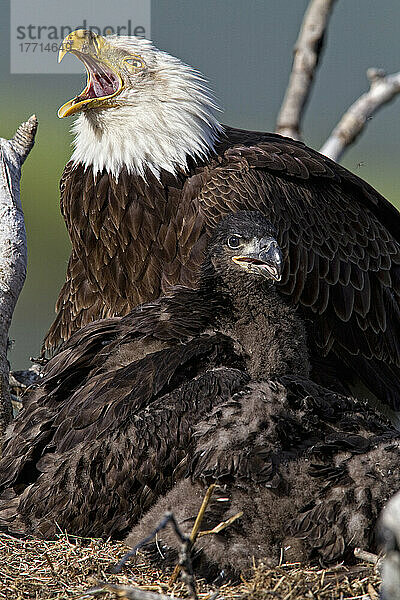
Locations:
column 103, row 78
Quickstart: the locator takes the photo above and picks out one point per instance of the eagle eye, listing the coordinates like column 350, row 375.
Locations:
column 134, row 64
column 234, row 241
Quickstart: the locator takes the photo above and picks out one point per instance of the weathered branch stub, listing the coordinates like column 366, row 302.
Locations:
column 13, row 251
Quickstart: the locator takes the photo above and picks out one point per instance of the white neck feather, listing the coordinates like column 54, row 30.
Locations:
column 166, row 119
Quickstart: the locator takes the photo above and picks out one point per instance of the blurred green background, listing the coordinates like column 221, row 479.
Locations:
column 244, row 49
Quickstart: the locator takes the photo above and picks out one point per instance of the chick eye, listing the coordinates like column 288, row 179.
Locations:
column 234, row 241
column 134, row 64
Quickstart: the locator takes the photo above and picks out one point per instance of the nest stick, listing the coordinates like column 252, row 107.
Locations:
column 196, row 528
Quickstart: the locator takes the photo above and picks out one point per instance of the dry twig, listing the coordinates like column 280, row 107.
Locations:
column 368, row 557
column 383, row 89
column 185, row 563
column 221, row 526
column 187, row 542
column 168, row 518
column 307, row 52
column 196, row 527
column 125, row 592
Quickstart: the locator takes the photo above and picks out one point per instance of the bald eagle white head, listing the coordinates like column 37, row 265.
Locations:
column 162, row 112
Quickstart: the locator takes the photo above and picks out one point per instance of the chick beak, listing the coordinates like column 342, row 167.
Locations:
column 263, row 257
column 271, row 259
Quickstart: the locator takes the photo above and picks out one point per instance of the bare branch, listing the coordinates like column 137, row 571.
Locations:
column 307, row 52
column 13, row 255
column 383, row 89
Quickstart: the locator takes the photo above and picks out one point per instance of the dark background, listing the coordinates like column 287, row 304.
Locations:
column 244, row 48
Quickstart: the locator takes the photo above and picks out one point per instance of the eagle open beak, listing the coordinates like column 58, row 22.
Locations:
column 265, row 259
column 102, row 80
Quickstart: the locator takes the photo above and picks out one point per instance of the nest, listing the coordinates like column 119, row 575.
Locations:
column 72, row 567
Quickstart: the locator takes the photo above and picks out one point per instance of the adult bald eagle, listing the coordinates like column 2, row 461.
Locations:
column 152, row 173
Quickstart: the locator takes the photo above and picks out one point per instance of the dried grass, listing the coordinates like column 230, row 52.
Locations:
column 68, row 567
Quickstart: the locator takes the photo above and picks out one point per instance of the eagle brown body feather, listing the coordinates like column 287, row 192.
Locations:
column 100, row 437
column 132, row 240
